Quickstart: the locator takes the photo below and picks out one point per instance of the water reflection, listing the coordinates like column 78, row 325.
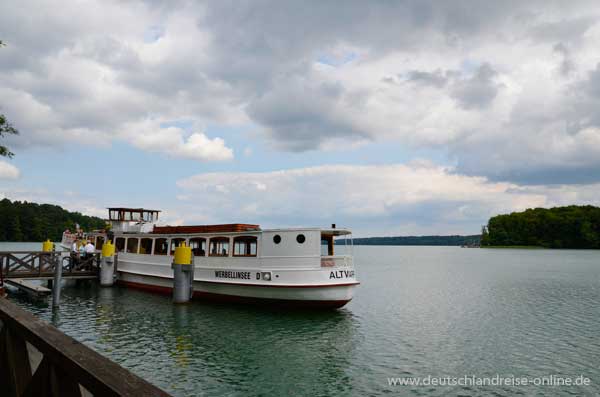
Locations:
column 182, row 350
column 211, row 348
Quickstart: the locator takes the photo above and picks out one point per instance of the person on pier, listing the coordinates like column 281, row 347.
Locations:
column 89, row 250
column 74, row 254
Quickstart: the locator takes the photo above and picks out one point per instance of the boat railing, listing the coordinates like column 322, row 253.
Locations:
column 336, row 261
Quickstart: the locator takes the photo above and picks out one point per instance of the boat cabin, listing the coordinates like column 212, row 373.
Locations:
column 132, row 220
column 235, row 241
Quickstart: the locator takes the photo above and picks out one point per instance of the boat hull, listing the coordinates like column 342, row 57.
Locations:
column 300, row 296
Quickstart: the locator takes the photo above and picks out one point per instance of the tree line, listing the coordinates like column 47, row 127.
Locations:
column 23, row 221
column 560, row 227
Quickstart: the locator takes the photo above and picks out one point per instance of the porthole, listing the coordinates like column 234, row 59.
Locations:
column 277, row 239
column 300, row 238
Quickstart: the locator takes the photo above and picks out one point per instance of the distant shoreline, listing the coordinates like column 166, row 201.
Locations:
column 529, row 247
column 453, row 240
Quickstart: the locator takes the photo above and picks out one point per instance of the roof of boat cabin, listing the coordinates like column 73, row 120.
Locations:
column 240, row 228
column 327, row 231
column 225, row 228
column 131, row 209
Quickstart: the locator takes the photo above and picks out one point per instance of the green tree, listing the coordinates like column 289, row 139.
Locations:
column 23, row 221
column 560, row 227
column 15, row 232
column 6, row 128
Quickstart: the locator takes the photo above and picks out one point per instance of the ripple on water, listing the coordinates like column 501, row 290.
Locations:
column 439, row 311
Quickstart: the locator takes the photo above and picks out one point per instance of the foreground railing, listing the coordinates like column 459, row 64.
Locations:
column 36, row 359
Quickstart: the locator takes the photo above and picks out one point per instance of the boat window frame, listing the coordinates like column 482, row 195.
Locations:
column 117, row 239
column 174, row 240
column 137, row 245
column 203, row 242
column 141, row 243
column 246, row 240
column 157, row 242
column 219, row 239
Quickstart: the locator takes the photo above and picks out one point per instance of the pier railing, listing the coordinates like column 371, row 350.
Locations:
column 36, row 359
column 41, row 265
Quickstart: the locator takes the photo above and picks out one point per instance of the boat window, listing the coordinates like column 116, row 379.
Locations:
column 219, row 246
column 120, row 244
column 198, row 246
column 176, row 242
column 99, row 242
column 300, row 238
column 244, row 246
column 160, row 246
column 146, row 246
column 132, row 245
column 277, row 239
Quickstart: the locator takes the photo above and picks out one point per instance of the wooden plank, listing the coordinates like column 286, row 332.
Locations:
column 49, row 276
column 93, row 371
column 27, row 286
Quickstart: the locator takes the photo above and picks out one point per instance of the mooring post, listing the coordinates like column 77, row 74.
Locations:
column 48, row 246
column 183, row 274
column 107, row 269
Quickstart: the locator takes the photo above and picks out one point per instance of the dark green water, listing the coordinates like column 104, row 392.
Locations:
column 438, row 311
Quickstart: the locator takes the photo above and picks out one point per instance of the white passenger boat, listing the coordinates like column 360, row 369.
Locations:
column 233, row 262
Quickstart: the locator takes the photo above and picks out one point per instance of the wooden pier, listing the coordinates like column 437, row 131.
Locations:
column 16, row 268
column 28, row 286
column 41, row 265
column 36, row 359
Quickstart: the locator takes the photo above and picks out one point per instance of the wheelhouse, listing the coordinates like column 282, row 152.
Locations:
column 132, row 220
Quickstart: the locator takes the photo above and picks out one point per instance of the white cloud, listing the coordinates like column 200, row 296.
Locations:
column 8, row 171
column 514, row 94
column 150, row 136
column 418, row 197
column 397, row 199
column 86, row 85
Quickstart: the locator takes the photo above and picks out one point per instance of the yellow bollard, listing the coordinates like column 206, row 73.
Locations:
column 47, row 246
column 183, row 274
column 107, row 265
column 108, row 249
column 183, row 255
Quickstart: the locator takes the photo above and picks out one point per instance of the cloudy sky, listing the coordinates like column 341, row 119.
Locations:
column 390, row 117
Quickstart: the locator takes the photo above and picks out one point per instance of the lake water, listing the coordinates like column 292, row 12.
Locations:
column 420, row 311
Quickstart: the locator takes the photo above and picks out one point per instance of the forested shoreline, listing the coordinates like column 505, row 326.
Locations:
column 560, row 227
column 23, row 221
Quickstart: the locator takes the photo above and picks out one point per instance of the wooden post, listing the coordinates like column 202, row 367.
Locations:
column 57, row 279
